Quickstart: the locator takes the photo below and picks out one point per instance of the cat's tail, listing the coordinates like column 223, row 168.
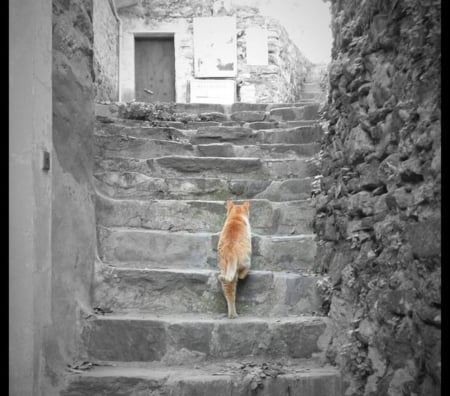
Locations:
column 230, row 269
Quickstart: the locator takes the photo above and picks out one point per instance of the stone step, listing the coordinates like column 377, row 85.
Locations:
column 313, row 86
column 178, row 291
column 295, row 124
column 301, row 103
column 237, row 135
column 199, row 337
column 125, row 184
column 307, row 112
column 229, row 378
column 142, row 148
column 266, row 217
column 248, row 116
column 223, row 167
column 242, row 106
column 312, row 95
column 243, row 135
column 199, row 108
column 142, row 248
column 261, row 125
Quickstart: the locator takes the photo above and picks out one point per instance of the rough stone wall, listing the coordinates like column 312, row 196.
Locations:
column 378, row 212
column 106, row 51
column 279, row 81
column 73, row 217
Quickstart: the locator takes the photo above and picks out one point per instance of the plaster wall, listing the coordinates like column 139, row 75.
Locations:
column 30, row 124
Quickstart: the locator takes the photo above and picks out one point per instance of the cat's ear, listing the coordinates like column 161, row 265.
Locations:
column 229, row 205
column 246, row 204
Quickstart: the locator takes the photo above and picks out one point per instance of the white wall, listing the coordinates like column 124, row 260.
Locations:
column 30, row 126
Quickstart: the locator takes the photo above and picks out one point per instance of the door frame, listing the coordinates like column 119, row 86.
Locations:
column 127, row 64
column 155, row 35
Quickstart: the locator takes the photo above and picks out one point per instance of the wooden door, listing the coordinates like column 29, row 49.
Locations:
column 154, row 69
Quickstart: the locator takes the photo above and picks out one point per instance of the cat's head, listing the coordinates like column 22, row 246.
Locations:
column 244, row 208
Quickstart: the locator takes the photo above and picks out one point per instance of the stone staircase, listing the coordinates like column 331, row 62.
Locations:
column 160, row 325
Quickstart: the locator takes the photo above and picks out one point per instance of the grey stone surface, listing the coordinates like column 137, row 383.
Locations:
column 261, row 125
column 143, row 148
column 160, row 207
column 241, row 106
column 151, row 338
column 198, row 108
column 248, row 116
column 227, row 379
column 165, row 249
column 165, row 291
column 177, row 166
column 137, row 185
column 266, row 217
column 235, row 134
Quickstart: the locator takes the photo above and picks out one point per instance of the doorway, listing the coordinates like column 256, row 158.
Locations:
column 154, row 60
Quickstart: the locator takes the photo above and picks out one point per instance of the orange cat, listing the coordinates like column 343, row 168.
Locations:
column 235, row 249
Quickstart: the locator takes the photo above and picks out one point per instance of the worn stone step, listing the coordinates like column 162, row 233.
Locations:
column 176, row 291
column 245, row 135
column 141, row 248
column 219, row 379
column 300, row 103
column 198, row 108
column 143, row 148
column 243, row 106
column 297, row 123
column 224, row 167
column 263, row 151
column 307, row 112
column 141, row 130
column 201, row 124
column 248, row 116
column 306, row 132
column 261, row 125
column 151, row 338
column 312, row 95
column 313, row 86
column 266, row 217
column 125, row 184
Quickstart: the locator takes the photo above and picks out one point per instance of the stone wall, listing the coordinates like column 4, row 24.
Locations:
column 279, row 81
column 106, row 50
column 73, row 217
column 378, row 212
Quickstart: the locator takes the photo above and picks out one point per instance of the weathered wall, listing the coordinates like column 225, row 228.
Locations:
column 73, row 218
column 378, row 217
column 30, row 123
column 279, row 81
column 106, row 50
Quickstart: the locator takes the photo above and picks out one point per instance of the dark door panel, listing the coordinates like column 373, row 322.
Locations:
column 154, row 69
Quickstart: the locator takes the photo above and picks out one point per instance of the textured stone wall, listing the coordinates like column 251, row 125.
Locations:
column 279, row 81
column 378, row 211
column 106, row 51
column 73, row 217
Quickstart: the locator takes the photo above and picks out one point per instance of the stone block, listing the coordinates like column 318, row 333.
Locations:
column 248, row 116
column 148, row 338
